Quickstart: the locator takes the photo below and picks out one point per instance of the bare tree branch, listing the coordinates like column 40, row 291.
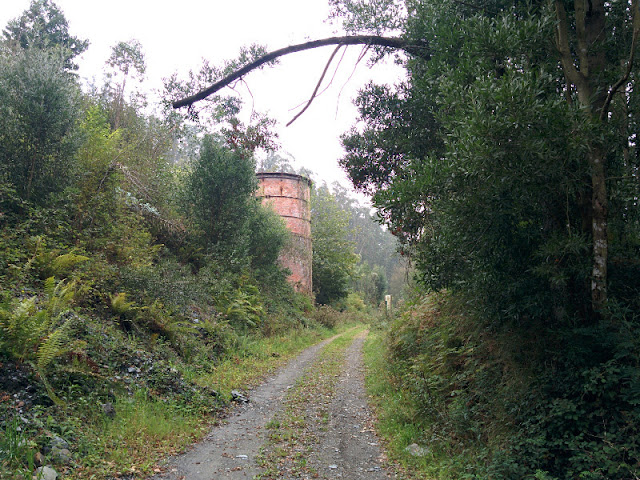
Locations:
column 419, row 50
column 335, row 71
column 625, row 77
column 315, row 91
column 572, row 74
column 365, row 49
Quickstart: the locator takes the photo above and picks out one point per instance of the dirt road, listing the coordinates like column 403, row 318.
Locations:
column 310, row 420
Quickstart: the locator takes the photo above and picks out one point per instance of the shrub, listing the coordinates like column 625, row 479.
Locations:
column 327, row 316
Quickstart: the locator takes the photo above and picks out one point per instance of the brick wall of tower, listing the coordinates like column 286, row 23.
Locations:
column 289, row 195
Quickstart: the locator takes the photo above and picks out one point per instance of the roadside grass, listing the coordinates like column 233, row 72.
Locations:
column 398, row 419
column 291, row 432
column 148, row 425
column 15, row 450
column 147, row 429
column 144, row 430
column 258, row 357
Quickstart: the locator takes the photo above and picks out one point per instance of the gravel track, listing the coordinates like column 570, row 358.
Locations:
column 347, row 449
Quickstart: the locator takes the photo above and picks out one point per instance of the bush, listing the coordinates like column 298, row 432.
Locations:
column 327, row 316
column 518, row 402
column 38, row 117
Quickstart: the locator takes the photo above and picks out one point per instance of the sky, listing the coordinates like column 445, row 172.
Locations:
column 177, row 36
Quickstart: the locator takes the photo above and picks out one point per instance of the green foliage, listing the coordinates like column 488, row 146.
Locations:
column 40, row 330
column 219, row 109
column 38, row 114
column 43, row 26
column 17, row 451
column 128, row 57
column 333, row 253
column 481, row 163
column 268, row 235
column 354, row 303
column 243, row 307
column 373, row 16
column 29, row 324
column 327, row 316
column 120, row 305
column 90, row 193
column 375, row 246
column 509, row 402
column 49, row 263
column 126, row 60
column 370, row 282
column 220, row 188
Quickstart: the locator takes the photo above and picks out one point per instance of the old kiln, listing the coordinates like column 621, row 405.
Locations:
column 289, row 195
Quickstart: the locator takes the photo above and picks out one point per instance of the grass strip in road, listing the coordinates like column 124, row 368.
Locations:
column 306, row 408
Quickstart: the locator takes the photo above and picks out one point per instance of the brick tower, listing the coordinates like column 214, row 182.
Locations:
column 289, row 195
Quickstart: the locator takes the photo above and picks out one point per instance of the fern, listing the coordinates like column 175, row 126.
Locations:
column 49, row 286
column 63, row 264
column 48, row 263
column 39, row 332
column 22, row 326
column 244, row 309
column 120, row 305
column 59, row 297
column 55, row 344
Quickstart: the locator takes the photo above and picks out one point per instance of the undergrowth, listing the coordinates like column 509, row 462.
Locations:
column 124, row 367
column 157, row 403
column 506, row 402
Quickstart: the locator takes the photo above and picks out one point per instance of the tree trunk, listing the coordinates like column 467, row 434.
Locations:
column 599, row 229
column 582, row 66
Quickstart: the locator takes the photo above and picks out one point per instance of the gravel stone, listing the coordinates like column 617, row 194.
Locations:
column 45, row 473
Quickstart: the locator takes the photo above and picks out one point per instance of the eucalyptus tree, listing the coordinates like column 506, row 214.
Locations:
column 127, row 61
column 43, row 26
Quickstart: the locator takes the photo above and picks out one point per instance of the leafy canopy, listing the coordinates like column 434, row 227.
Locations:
column 43, row 26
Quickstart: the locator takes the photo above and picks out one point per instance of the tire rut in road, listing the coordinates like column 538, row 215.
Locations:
column 325, row 429
column 230, row 449
column 348, row 447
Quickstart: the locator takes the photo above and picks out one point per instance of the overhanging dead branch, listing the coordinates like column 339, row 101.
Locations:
column 413, row 48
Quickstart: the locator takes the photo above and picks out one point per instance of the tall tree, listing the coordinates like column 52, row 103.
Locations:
column 433, row 144
column 39, row 109
column 507, row 164
column 127, row 60
column 592, row 63
column 44, row 26
column 596, row 42
column 220, row 187
column 333, row 252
